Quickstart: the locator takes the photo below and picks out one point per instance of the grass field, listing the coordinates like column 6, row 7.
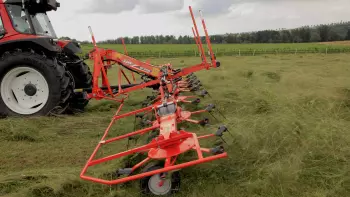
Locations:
column 338, row 43
column 225, row 49
column 289, row 116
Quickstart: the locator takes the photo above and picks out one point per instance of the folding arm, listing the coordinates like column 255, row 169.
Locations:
column 98, row 67
column 126, row 53
column 196, row 34
column 213, row 59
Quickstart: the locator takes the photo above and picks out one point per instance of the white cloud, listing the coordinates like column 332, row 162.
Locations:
column 115, row 18
column 144, row 6
column 109, row 6
column 158, row 6
column 214, row 7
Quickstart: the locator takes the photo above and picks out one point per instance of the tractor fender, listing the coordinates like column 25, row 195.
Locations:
column 45, row 45
column 69, row 47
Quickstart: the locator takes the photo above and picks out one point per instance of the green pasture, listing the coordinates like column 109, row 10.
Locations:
column 289, row 116
column 181, row 50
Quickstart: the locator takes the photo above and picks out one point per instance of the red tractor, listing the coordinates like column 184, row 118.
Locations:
column 38, row 72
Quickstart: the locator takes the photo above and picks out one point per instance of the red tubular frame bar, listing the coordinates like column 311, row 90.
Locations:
column 197, row 43
column 160, row 142
column 126, row 53
column 147, row 174
column 204, row 59
column 208, row 40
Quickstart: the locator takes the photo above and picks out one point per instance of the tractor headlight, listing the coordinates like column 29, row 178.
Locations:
column 53, row 41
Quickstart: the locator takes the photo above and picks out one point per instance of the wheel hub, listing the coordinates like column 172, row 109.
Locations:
column 24, row 90
column 158, row 185
column 30, row 89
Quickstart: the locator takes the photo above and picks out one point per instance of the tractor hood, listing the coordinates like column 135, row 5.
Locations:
column 36, row 6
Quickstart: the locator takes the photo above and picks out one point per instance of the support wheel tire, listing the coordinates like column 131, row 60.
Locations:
column 32, row 84
column 149, row 185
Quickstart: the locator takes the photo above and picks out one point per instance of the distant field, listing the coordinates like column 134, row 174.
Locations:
column 178, row 50
column 289, row 116
column 338, row 43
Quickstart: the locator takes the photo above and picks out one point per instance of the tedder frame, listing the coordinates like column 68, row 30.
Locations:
column 170, row 141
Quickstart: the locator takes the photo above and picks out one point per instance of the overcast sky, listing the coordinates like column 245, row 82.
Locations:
column 116, row 18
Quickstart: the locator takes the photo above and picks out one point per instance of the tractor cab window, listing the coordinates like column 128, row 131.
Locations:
column 19, row 18
column 2, row 29
column 42, row 25
column 37, row 23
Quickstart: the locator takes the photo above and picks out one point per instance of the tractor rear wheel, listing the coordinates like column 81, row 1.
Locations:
column 33, row 85
column 83, row 79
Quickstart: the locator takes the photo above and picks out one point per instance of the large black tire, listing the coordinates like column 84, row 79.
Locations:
column 58, row 80
column 83, row 79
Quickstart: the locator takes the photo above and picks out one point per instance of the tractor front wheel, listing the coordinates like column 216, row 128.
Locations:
column 32, row 84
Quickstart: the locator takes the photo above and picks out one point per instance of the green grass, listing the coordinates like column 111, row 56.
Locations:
column 163, row 50
column 289, row 116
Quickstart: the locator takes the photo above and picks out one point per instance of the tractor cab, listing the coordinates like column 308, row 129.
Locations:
column 30, row 17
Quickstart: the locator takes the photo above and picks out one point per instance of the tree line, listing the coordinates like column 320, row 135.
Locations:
column 318, row 33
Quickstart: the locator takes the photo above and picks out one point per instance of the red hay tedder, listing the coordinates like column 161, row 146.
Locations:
column 169, row 141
